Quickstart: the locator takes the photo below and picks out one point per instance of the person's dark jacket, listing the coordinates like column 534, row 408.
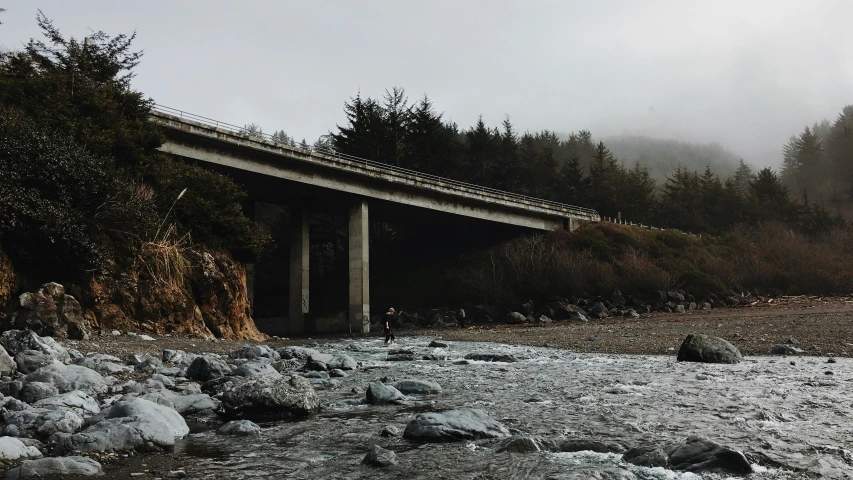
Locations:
column 388, row 320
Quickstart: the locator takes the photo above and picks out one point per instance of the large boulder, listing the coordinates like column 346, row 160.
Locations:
column 75, row 401
column 13, row 450
column 380, row 394
column 179, row 357
column 707, row 349
column 255, row 368
column 454, row 425
column 292, row 395
column 190, row 404
column 417, row 387
column 35, row 391
column 342, row 362
column 702, row 455
column 598, row 310
column 29, row 361
column 380, row 457
column 516, row 318
column 67, row 378
column 51, row 312
column 565, row 311
column 17, row 341
column 134, row 424
column 61, row 466
column 251, row 352
column 40, row 423
column 207, row 367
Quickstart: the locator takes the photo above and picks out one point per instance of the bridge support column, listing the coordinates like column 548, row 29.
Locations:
column 249, row 211
column 299, row 256
column 359, row 269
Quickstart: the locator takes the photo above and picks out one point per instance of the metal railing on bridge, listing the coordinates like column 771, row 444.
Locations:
column 235, row 129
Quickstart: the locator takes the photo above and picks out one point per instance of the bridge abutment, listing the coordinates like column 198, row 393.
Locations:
column 359, row 268
column 299, row 272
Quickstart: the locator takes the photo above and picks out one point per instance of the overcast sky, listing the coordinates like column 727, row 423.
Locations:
column 744, row 73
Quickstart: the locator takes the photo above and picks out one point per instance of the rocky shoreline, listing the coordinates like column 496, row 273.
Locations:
column 68, row 412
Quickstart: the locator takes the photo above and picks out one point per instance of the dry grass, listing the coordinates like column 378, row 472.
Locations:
column 165, row 259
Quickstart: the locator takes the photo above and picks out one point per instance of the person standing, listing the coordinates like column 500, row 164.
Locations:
column 388, row 322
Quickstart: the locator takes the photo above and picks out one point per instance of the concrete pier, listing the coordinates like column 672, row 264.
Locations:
column 359, row 269
column 299, row 268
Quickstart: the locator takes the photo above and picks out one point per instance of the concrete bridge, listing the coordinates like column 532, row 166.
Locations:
column 309, row 179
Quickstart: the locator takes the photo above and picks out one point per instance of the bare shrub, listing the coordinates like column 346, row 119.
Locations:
column 639, row 272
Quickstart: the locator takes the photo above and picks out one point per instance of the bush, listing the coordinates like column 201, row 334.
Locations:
column 600, row 257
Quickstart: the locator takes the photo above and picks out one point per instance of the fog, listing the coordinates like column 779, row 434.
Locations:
column 744, row 74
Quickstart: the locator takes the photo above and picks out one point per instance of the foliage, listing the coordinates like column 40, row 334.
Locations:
column 597, row 258
column 82, row 185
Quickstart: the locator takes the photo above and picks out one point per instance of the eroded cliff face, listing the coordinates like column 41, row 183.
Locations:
column 211, row 303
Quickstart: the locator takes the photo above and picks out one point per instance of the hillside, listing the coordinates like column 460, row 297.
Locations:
column 663, row 156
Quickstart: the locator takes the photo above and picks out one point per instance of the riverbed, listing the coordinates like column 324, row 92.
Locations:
column 791, row 416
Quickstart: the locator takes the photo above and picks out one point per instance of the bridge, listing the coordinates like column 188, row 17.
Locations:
column 308, row 179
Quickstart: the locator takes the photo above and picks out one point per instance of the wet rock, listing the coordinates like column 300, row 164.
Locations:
column 342, row 362
column 176, row 474
column 40, row 423
column 29, row 361
column 702, row 455
column 336, row 372
column 14, row 450
column 378, row 393
column 380, row 457
column 437, row 344
column 454, row 425
column 240, row 428
column 35, row 391
column 43, row 467
column 434, row 357
column 647, row 457
column 417, row 387
column 785, row 349
column 67, row 378
column 389, row 431
column 292, row 395
column 491, row 357
column 526, row 445
column 707, row 349
column 207, row 367
column 75, row 401
column 400, row 357
column 582, row 445
column 134, row 424
column 831, row 360
column 252, row 352
column 316, row 374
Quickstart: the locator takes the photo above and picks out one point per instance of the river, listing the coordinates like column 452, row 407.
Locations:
column 787, row 410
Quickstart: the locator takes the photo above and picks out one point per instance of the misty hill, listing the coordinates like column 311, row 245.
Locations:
column 662, row 157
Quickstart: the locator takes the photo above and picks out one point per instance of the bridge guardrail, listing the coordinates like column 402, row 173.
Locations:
column 378, row 165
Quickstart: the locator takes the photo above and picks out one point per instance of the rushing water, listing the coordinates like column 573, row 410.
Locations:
column 798, row 417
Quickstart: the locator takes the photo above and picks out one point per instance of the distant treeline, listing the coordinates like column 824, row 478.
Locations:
column 577, row 170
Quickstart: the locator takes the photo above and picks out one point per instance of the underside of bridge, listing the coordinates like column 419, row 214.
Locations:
column 282, row 301
column 368, row 197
